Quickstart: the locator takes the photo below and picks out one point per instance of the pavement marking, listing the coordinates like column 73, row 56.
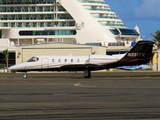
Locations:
column 80, row 85
column 77, row 84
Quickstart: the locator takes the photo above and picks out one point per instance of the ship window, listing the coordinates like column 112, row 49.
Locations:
column 116, row 44
column 94, row 44
column 114, row 31
column 46, row 32
column 128, row 32
column 33, row 59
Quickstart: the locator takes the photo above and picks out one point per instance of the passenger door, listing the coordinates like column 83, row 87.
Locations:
column 45, row 63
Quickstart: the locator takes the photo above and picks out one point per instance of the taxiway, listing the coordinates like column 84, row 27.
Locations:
column 69, row 96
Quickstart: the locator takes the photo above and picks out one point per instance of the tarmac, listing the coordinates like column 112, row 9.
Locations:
column 103, row 73
column 69, row 96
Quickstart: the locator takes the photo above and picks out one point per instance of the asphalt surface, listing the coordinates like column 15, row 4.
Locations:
column 68, row 96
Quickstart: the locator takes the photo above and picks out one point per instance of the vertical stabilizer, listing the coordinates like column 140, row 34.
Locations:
column 141, row 53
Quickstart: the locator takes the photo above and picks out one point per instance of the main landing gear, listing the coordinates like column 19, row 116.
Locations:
column 25, row 75
column 87, row 74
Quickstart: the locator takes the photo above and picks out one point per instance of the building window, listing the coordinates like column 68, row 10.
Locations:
column 77, row 60
column 59, row 60
column 45, row 32
column 53, row 60
column 71, row 60
column 65, row 60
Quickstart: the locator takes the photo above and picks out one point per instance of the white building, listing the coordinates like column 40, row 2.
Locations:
column 68, row 21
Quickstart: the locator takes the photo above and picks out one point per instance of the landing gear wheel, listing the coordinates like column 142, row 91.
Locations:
column 87, row 73
column 25, row 75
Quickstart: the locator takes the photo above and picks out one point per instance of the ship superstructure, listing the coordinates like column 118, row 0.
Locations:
column 68, row 21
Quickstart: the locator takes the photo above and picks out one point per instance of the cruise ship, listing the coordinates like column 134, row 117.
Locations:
column 25, row 22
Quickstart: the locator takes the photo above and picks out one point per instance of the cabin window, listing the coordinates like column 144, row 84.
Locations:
column 59, row 60
column 65, row 60
column 33, row 59
column 77, row 60
column 71, row 60
column 53, row 60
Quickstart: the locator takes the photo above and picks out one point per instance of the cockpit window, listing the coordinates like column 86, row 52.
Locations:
column 33, row 59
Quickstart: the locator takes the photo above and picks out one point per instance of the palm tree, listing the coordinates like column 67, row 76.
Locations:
column 6, row 54
column 156, row 38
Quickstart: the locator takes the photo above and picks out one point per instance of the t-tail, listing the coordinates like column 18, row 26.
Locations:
column 141, row 53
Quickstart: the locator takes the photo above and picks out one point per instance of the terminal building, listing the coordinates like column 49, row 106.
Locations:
column 23, row 53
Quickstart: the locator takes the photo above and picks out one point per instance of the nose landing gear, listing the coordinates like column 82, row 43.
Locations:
column 25, row 75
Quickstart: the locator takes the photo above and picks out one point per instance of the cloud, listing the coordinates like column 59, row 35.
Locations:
column 148, row 9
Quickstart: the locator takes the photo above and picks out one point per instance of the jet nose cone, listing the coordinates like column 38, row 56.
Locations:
column 17, row 67
column 12, row 68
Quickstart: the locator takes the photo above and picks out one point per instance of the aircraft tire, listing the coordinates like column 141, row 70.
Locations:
column 25, row 76
column 87, row 74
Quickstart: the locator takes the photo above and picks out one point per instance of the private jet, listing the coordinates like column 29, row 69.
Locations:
column 140, row 53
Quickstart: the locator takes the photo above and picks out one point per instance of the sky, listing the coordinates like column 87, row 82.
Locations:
column 143, row 13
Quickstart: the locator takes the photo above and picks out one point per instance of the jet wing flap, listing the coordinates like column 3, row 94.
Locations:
column 81, row 66
column 71, row 66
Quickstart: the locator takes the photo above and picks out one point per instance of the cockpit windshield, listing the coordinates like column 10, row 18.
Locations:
column 33, row 59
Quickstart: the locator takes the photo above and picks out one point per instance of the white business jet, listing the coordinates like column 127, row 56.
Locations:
column 141, row 53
